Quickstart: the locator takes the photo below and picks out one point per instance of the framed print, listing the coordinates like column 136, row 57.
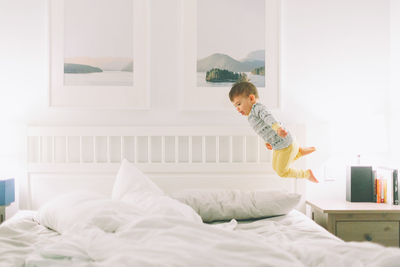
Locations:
column 224, row 41
column 98, row 53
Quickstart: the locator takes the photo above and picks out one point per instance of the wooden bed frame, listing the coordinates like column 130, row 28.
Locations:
column 63, row 159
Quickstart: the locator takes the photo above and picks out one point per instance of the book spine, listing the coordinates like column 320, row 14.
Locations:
column 385, row 191
column 378, row 190
column 374, row 186
column 395, row 187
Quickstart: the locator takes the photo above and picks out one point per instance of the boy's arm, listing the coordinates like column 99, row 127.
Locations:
column 281, row 132
column 267, row 117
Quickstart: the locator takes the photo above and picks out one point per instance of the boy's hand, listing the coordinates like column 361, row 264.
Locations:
column 268, row 145
column 281, row 132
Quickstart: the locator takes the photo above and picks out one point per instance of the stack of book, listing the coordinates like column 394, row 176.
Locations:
column 386, row 186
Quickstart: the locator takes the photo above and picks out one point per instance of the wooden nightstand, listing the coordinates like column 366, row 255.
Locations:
column 358, row 221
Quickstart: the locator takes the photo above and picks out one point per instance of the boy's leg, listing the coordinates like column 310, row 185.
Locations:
column 304, row 151
column 312, row 177
column 283, row 158
column 280, row 161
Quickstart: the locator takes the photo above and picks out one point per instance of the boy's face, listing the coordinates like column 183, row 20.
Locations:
column 244, row 103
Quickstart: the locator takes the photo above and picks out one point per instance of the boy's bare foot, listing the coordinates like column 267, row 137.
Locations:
column 312, row 177
column 306, row 150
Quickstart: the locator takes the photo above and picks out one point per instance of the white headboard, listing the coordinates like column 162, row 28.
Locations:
column 63, row 159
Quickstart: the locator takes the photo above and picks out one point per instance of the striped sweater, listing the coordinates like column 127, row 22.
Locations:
column 265, row 125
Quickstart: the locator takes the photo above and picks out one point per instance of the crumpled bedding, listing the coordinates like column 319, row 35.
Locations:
column 121, row 234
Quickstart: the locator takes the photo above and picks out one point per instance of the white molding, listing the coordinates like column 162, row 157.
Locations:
column 139, row 131
column 194, row 168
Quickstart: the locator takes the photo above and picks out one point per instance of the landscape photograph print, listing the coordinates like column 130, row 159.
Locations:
column 98, row 43
column 230, row 42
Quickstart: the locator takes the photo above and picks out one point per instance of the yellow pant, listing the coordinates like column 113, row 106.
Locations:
column 282, row 158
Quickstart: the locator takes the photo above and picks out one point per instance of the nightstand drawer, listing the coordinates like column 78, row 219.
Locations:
column 382, row 232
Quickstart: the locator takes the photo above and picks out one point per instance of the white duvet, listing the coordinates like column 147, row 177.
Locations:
column 97, row 231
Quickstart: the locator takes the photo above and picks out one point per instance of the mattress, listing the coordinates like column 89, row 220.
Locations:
column 289, row 240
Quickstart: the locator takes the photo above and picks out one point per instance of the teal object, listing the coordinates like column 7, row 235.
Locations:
column 7, row 192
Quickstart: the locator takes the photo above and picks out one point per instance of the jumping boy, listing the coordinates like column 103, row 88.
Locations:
column 244, row 97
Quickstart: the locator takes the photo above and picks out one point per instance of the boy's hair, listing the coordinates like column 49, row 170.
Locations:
column 243, row 88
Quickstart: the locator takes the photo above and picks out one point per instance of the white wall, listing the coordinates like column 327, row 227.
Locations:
column 334, row 70
column 394, row 94
column 335, row 57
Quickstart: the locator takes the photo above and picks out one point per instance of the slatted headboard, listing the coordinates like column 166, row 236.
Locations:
column 63, row 159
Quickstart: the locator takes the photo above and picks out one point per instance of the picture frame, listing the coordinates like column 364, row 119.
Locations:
column 123, row 89
column 194, row 97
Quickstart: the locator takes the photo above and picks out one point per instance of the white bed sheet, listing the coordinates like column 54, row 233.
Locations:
column 290, row 240
column 313, row 245
column 292, row 227
column 20, row 236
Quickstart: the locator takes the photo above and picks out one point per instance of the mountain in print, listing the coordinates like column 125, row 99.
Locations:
column 79, row 68
column 258, row 55
column 223, row 61
column 128, row 67
column 104, row 63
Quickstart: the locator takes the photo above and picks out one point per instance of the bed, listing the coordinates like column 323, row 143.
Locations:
column 134, row 197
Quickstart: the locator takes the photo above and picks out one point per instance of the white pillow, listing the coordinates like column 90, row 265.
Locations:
column 80, row 210
column 131, row 179
column 134, row 187
column 218, row 205
column 68, row 209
